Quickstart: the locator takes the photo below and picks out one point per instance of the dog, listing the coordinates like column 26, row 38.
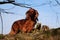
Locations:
column 27, row 24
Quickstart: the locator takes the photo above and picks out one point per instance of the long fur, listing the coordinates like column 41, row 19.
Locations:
column 27, row 24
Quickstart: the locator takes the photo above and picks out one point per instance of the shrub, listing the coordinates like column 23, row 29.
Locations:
column 1, row 36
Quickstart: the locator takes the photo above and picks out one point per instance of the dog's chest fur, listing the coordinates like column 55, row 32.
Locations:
column 25, row 23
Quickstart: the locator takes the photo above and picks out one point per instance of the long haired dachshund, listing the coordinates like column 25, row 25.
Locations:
column 27, row 24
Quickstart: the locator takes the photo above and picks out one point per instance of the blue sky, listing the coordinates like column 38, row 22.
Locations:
column 47, row 13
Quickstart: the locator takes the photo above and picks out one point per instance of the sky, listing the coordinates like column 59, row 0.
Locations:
column 48, row 14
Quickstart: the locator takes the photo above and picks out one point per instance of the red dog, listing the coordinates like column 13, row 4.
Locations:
column 27, row 24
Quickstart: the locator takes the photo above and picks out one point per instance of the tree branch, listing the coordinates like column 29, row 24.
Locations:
column 17, row 4
column 21, row 5
column 5, row 2
column 57, row 2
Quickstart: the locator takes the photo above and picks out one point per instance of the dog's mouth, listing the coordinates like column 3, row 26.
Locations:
column 37, row 19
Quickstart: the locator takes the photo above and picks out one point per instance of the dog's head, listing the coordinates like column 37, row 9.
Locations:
column 32, row 14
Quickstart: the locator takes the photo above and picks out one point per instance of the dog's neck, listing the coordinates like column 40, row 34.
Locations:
column 29, row 19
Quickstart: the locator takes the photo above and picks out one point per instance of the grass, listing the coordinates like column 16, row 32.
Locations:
column 1, row 36
column 52, row 34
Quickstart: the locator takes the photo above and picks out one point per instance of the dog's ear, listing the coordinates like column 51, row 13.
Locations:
column 36, row 15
